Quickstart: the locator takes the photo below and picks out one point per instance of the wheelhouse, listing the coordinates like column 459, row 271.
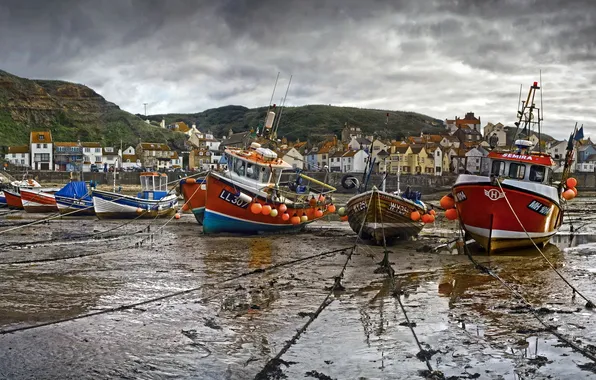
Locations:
column 153, row 185
column 259, row 167
column 529, row 167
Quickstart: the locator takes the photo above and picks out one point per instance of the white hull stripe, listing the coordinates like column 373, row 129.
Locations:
column 504, row 234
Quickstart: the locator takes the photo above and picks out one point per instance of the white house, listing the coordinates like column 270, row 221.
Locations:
column 558, row 150
column 176, row 160
column 495, row 134
column 354, row 161
column 357, row 143
column 437, row 155
column 92, row 155
column 18, row 155
column 292, row 157
column 588, row 165
column 110, row 158
column 41, row 150
column 476, row 161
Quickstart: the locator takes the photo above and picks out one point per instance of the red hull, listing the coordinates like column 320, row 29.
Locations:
column 13, row 200
column 37, row 201
column 226, row 212
column 194, row 194
column 485, row 215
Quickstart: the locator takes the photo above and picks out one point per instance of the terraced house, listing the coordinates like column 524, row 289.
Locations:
column 42, row 150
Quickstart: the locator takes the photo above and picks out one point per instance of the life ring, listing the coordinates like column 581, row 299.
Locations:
column 349, row 182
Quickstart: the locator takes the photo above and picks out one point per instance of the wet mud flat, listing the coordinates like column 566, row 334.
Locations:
column 139, row 301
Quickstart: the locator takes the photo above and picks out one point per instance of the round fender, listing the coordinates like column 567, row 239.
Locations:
column 349, row 182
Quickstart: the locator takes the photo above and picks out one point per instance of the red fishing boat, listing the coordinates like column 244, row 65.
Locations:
column 513, row 203
column 249, row 197
column 12, row 193
column 38, row 200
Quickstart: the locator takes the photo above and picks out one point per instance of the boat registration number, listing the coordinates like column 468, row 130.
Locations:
column 359, row 206
column 232, row 198
column 397, row 208
column 539, row 208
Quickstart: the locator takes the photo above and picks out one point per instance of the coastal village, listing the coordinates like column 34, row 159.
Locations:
column 459, row 147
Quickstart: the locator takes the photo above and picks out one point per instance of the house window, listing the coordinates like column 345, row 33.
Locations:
column 41, row 137
column 97, row 150
column 45, row 145
column 38, row 146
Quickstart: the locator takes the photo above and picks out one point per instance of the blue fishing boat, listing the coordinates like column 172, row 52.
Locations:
column 153, row 201
column 75, row 199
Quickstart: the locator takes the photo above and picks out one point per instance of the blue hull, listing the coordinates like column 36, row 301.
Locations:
column 2, row 201
column 199, row 214
column 215, row 223
column 70, row 205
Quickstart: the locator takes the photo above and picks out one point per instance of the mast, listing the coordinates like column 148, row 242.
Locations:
column 276, row 126
column 398, row 172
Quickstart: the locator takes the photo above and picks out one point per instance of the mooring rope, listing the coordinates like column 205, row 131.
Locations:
column 589, row 304
column 529, row 306
column 173, row 294
column 397, row 294
column 274, row 362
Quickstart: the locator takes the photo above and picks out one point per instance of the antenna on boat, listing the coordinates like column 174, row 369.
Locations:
column 273, row 93
column 274, row 131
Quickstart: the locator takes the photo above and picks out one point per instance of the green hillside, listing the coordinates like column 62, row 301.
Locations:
column 71, row 111
column 310, row 122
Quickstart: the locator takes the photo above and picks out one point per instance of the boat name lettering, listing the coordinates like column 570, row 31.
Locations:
column 359, row 206
column 232, row 198
column 539, row 208
column 518, row 156
column 395, row 207
column 461, row 196
column 494, row 194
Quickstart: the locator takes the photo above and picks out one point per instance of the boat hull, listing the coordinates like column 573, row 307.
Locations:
column 486, row 216
column 194, row 193
column 226, row 212
column 379, row 216
column 37, row 201
column 109, row 205
column 13, row 199
column 75, row 207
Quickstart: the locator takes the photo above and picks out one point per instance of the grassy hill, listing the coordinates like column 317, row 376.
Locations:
column 71, row 111
column 310, row 122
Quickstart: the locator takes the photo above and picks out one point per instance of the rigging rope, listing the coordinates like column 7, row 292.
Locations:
column 529, row 306
column 589, row 304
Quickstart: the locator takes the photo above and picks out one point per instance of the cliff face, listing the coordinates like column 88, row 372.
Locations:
column 71, row 111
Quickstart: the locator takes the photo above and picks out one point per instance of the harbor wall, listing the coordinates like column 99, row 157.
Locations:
column 423, row 183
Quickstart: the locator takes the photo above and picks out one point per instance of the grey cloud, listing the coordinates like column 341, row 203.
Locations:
column 442, row 57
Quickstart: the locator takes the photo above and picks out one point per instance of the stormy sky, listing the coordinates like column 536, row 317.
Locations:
column 438, row 57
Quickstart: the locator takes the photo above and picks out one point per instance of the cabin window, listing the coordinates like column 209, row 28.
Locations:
column 517, row 171
column 265, row 174
column 239, row 167
column 252, row 171
column 537, row 173
column 498, row 168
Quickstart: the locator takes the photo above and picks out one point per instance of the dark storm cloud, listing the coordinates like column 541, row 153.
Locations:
column 440, row 57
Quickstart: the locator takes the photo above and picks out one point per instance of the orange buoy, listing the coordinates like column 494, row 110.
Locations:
column 331, row 208
column 295, row 219
column 191, row 180
column 571, row 182
column 177, row 216
column 568, row 194
column 432, row 212
column 285, row 216
column 273, row 213
column 451, row 214
column 447, row 202
column 318, row 213
column 344, row 218
column 426, row 218
column 266, row 210
column 313, row 201
column 282, row 207
column 431, row 218
column 256, row 208
column 574, row 190
column 321, row 198
column 415, row 216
